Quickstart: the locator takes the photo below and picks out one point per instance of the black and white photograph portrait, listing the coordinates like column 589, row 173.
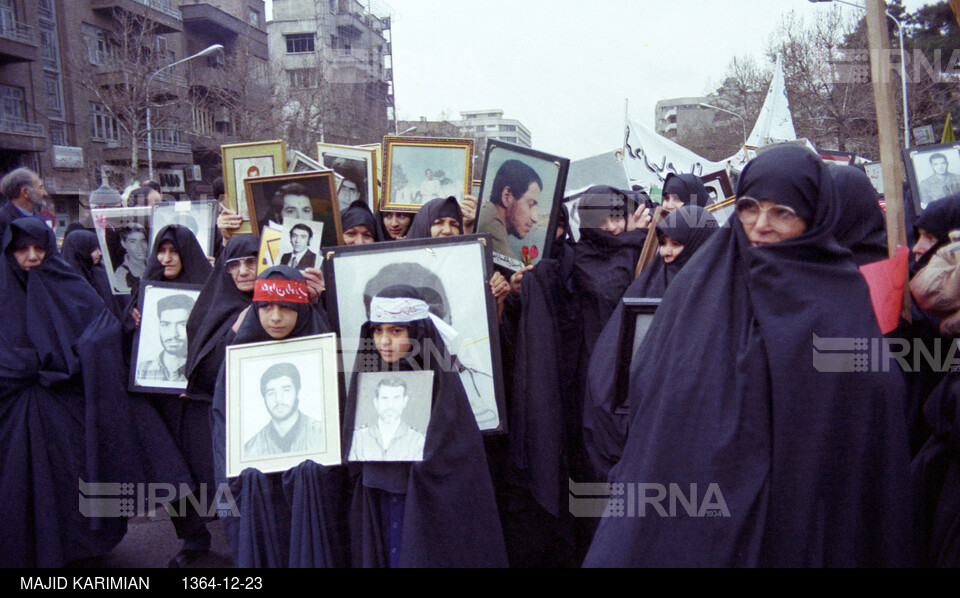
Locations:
column 124, row 236
column 160, row 347
column 357, row 168
column 393, row 414
column 452, row 275
column 934, row 172
column 522, row 191
column 199, row 216
column 303, row 196
column 300, row 243
column 418, row 170
column 282, row 404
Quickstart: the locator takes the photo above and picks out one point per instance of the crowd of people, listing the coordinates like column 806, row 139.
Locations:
column 725, row 406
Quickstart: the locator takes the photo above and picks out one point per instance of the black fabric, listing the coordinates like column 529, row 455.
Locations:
column 213, row 317
column 358, row 213
column 273, row 528
column 430, row 212
column 64, row 412
column 940, row 217
column 77, row 249
column 604, row 264
column 811, row 465
column 863, row 226
column 8, row 213
column 449, row 515
column 688, row 187
column 605, row 431
column 936, row 480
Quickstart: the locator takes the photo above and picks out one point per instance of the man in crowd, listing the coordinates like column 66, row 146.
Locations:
column 24, row 190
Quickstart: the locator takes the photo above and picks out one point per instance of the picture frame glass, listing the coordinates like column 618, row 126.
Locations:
column 124, row 235
column 520, row 224
column 452, row 276
column 392, row 416
column 934, row 172
column 302, row 196
column 160, row 348
column 199, row 216
column 282, row 404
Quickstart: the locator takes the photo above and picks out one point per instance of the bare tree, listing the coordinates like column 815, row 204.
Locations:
column 117, row 68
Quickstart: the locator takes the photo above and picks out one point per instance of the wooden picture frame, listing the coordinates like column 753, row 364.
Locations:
column 240, row 160
column 637, row 316
column 355, row 165
column 455, row 272
column 538, row 226
column 409, row 164
column 164, row 315
column 320, row 190
column 926, row 183
column 311, row 361
column 720, row 182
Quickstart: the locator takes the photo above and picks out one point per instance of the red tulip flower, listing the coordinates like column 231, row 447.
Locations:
column 534, row 252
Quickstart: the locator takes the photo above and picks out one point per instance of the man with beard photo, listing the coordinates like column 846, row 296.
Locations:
column 173, row 313
column 290, row 430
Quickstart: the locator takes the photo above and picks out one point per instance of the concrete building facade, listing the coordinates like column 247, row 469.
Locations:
column 490, row 124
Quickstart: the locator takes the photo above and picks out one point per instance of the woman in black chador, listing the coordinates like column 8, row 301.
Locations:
column 736, row 406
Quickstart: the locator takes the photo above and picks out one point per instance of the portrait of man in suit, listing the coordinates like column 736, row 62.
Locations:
column 301, row 257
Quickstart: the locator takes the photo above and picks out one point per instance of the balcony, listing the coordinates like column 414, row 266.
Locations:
column 21, row 136
column 18, row 42
column 164, row 152
column 18, row 127
column 166, row 18
column 209, row 22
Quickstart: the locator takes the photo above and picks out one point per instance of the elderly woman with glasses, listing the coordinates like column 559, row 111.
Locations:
column 760, row 433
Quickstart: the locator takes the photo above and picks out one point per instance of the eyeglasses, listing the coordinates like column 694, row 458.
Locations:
column 250, row 263
column 780, row 218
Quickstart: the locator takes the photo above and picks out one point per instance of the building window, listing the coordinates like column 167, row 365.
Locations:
column 303, row 78
column 51, row 83
column 299, row 43
column 203, row 122
column 46, row 8
column 48, row 46
column 99, row 50
column 104, row 126
column 12, row 104
column 58, row 134
column 253, row 18
column 508, row 127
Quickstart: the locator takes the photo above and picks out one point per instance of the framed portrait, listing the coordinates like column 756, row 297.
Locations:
column 454, row 274
column 418, row 169
column 249, row 160
column 159, row 355
column 199, row 216
column 875, row 174
column 269, row 254
column 124, row 235
column 521, row 217
column 637, row 316
column 304, row 163
column 300, row 244
column 933, row 172
column 304, row 196
column 392, row 416
column 718, row 186
column 282, row 390
column 357, row 170
column 377, row 149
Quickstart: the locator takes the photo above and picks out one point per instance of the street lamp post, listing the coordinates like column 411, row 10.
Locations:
column 903, row 66
column 206, row 52
column 743, row 122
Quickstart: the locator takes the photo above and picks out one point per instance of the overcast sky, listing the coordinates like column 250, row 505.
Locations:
column 565, row 68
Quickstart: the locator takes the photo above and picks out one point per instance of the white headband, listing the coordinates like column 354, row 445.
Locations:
column 403, row 310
